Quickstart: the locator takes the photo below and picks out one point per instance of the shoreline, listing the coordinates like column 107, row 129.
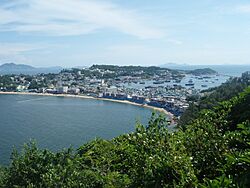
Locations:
column 168, row 114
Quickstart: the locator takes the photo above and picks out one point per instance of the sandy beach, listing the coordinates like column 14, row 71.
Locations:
column 168, row 114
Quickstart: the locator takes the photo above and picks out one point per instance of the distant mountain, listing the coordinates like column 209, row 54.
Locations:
column 12, row 68
column 231, row 69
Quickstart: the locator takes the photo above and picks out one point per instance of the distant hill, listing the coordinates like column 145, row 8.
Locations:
column 191, row 69
column 12, row 68
column 199, row 72
column 231, row 70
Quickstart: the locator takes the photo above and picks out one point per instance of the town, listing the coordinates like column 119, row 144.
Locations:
column 153, row 86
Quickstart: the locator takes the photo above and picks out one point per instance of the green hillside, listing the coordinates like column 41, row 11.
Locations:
column 213, row 96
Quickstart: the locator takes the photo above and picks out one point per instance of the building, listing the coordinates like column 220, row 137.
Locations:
column 74, row 91
column 63, row 89
column 138, row 99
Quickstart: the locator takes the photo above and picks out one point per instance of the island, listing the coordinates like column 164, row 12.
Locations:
column 200, row 72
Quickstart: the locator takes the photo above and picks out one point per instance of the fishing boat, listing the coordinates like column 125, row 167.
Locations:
column 189, row 84
column 158, row 82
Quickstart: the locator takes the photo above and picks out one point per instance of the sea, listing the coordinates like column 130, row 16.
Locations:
column 60, row 122
column 228, row 70
column 224, row 73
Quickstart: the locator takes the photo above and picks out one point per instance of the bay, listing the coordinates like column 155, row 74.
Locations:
column 60, row 122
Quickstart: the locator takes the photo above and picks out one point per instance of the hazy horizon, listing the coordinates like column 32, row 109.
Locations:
column 71, row 33
column 161, row 65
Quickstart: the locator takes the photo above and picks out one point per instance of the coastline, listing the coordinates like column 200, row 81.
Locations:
column 168, row 114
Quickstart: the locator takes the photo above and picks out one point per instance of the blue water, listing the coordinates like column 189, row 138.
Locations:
column 231, row 70
column 59, row 122
column 224, row 71
column 214, row 81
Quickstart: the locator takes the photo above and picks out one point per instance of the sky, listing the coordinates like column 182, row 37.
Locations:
column 71, row 33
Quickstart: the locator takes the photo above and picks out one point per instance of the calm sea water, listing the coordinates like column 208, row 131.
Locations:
column 231, row 70
column 214, row 81
column 225, row 71
column 59, row 122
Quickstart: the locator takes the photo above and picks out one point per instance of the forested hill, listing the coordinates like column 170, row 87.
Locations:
column 213, row 96
column 200, row 72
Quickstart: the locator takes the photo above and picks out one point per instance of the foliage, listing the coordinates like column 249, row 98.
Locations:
column 200, row 72
column 134, row 71
column 212, row 151
column 35, row 85
column 7, row 83
column 213, row 96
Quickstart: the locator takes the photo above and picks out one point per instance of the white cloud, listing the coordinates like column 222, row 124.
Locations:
column 17, row 48
column 19, row 52
column 74, row 17
column 124, row 54
column 138, row 54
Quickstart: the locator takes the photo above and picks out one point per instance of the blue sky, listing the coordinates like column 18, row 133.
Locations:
column 133, row 32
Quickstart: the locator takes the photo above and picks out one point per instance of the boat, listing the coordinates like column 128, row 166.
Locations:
column 206, row 77
column 149, row 87
column 141, row 82
column 203, row 85
column 175, row 85
column 158, row 82
column 189, row 84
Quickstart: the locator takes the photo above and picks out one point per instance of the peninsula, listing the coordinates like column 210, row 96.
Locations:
column 158, row 88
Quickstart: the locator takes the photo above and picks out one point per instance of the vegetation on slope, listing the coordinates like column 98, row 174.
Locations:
column 114, row 71
column 213, row 96
column 201, row 72
column 213, row 151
